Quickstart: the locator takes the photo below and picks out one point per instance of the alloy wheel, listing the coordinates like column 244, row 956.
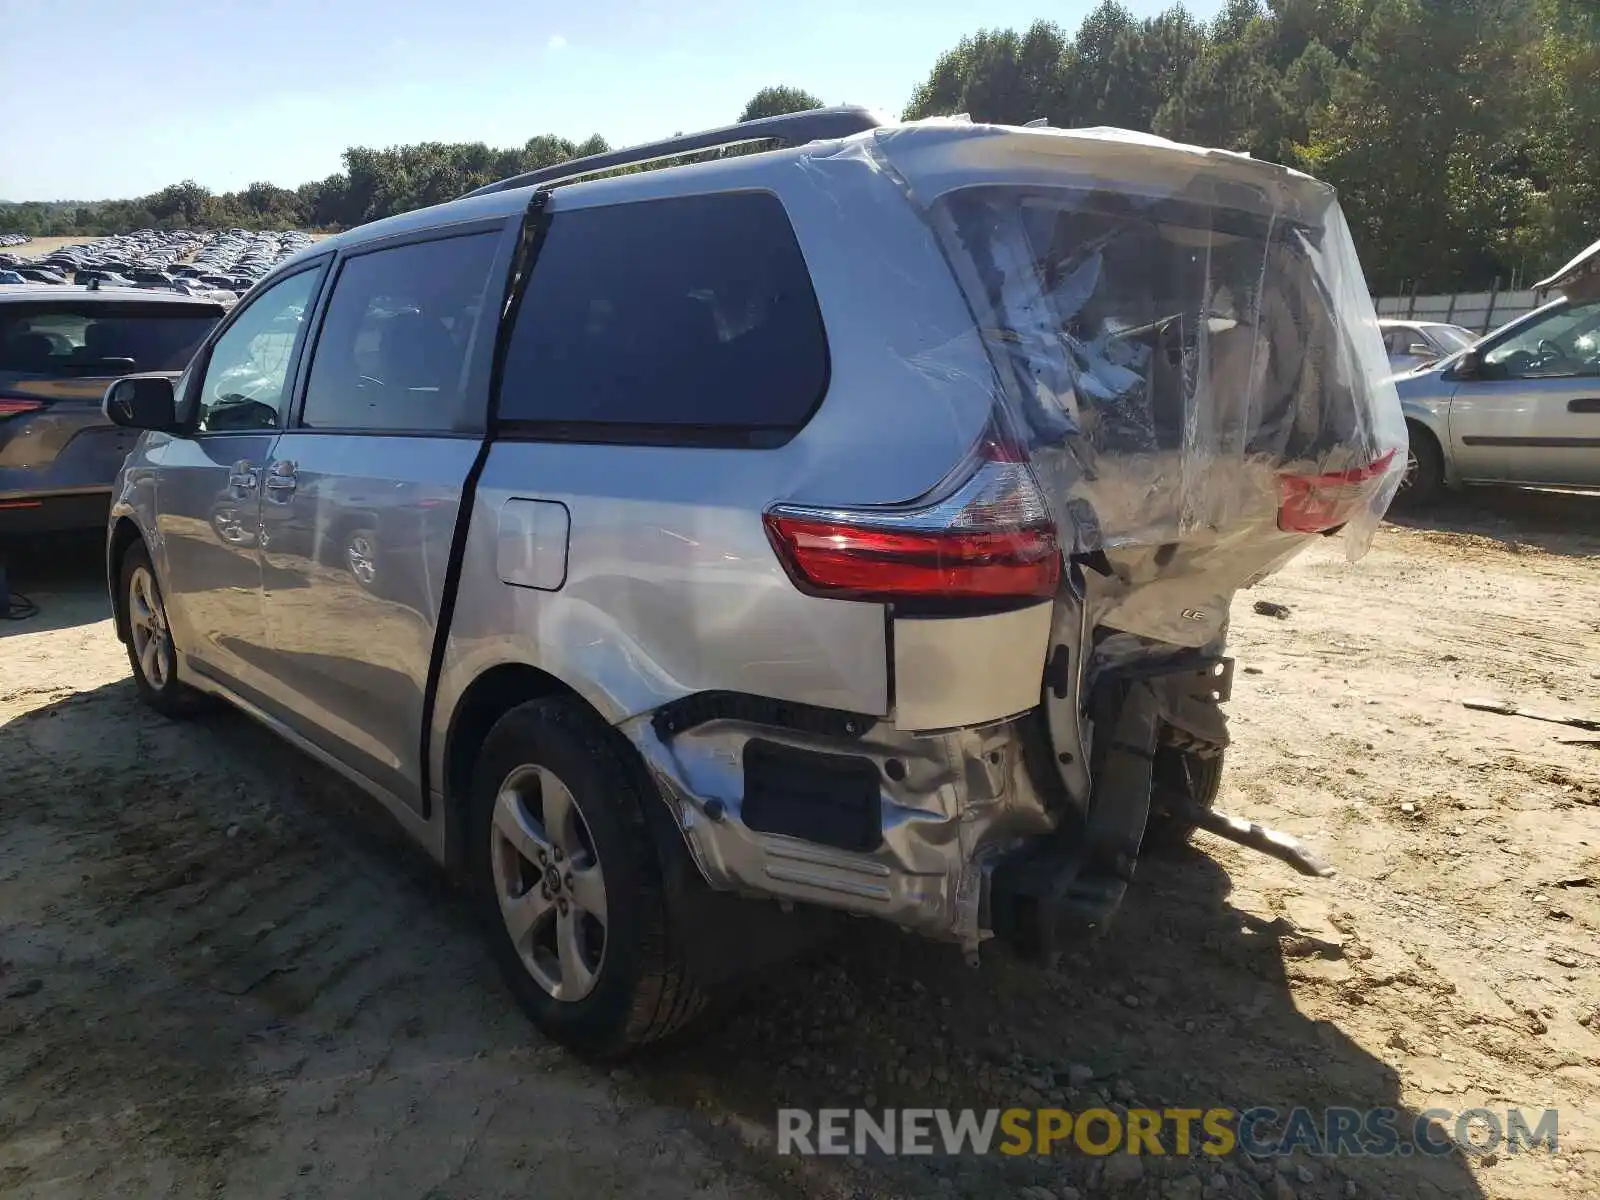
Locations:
column 1410, row 474
column 147, row 622
column 548, row 882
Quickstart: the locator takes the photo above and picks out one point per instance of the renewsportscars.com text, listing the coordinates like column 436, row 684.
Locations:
column 1259, row 1132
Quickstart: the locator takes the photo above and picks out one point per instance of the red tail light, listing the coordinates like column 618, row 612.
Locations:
column 1315, row 503
column 15, row 406
column 987, row 537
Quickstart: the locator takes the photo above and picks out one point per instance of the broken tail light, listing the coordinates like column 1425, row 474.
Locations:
column 1317, row 503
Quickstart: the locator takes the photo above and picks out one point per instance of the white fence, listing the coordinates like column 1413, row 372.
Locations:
column 1480, row 312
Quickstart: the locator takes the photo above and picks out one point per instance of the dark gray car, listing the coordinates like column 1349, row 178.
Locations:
column 59, row 348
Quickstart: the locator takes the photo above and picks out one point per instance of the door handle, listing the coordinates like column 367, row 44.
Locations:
column 1584, row 404
column 244, row 477
column 281, row 481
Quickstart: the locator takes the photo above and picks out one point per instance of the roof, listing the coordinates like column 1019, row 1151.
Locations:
column 77, row 294
column 937, row 155
column 1582, row 272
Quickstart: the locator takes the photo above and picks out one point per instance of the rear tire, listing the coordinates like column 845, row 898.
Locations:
column 1186, row 773
column 558, row 830
column 151, row 652
column 1423, row 482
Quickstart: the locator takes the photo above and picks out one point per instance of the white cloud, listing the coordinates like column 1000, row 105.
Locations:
column 556, row 42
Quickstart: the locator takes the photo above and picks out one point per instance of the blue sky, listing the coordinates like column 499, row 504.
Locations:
column 123, row 97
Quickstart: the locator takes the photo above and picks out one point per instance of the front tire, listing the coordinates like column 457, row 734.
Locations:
column 570, row 886
column 1423, row 482
column 151, row 653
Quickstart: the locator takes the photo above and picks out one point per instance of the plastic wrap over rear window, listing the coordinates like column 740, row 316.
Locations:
column 692, row 318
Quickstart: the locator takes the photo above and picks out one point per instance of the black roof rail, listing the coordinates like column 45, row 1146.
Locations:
column 791, row 129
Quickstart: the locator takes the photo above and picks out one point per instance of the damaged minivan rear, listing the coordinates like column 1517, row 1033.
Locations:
column 843, row 529
column 933, row 631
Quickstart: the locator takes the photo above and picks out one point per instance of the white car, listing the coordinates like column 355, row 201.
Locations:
column 1413, row 344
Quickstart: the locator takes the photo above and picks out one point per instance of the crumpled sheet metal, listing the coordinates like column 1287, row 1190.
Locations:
column 1174, row 331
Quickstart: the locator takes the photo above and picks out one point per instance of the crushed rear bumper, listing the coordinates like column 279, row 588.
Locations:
column 860, row 817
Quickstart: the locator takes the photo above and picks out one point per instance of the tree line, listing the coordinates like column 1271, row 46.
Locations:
column 1463, row 135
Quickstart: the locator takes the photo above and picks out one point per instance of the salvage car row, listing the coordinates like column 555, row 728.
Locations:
column 180, row 260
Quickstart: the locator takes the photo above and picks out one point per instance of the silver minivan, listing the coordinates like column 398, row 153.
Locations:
column 688, row 557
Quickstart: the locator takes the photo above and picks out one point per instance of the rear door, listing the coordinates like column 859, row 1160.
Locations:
column 363, row 490
column 1532, row 414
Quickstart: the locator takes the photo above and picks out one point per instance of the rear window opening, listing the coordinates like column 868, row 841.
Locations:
column 98, row 339
column 1169, row 356
column 1154, row 323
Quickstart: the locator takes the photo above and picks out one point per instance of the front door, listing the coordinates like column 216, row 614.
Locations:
column 364, row 489
column 1532, row 413
column 209, row 500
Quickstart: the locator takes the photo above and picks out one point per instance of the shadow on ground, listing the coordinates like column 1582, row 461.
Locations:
column 279, row 909
column 62, row 576
column 1187, row 1004
column 1563, row 523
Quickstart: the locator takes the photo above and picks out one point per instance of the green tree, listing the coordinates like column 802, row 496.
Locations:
column 775, row 101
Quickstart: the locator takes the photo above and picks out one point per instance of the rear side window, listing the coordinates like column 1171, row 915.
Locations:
column 691, row 318
column 101, row 338
column 394, row 347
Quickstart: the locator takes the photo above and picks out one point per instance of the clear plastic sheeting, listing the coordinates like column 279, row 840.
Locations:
column 1182, row 338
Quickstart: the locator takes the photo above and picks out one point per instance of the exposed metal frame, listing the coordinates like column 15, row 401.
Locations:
column 791, row 129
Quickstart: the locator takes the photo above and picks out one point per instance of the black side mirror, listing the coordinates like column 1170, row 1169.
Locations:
column 142, row 402
column 1468, row 366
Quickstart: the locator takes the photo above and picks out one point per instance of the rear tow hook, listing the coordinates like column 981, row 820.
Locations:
column 1257, row 837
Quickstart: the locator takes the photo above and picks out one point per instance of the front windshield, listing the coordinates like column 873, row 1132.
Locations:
column 1452, row 337
column 1565, row 341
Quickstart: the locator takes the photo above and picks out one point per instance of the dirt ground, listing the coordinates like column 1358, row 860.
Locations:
column 41, row 246
column 221, row 971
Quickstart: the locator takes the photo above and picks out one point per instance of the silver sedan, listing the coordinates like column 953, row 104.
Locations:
column 1520, row 407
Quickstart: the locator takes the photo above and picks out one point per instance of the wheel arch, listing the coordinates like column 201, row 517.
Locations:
column 492, row 694
column 125, row 533
column 1432, row 422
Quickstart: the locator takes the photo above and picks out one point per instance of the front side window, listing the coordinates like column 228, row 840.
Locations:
column 693, row 314
column 394, row 347
column 1561, row 344
column 246, row 382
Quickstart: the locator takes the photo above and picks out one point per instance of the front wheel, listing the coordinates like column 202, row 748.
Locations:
column 151, row 653
column 1423, row 481
column 570, row 884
